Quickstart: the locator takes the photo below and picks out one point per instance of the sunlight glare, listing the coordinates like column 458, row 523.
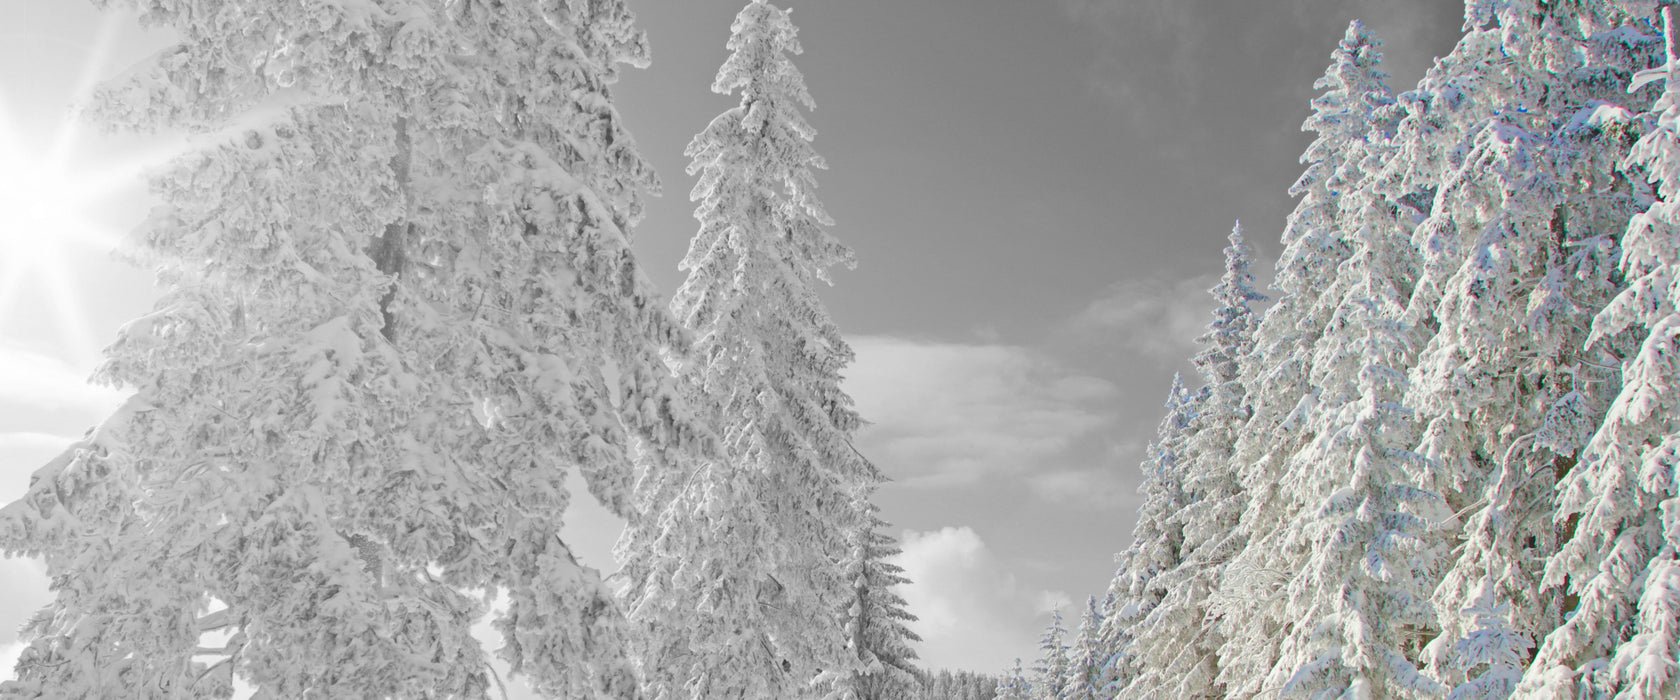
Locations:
column 38, row 213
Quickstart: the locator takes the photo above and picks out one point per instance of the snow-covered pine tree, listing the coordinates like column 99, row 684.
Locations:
column 1015, row 686
column 1350, row 119
column 876, row 621
column 391, row 283
column 1086, row 658
column 1157, row 542
column 1490, row 655
column 1177, row 642
column 1516, row 134
column 1050, row 671
column 1619, row 563
column 736, row 579
column 1360, row 603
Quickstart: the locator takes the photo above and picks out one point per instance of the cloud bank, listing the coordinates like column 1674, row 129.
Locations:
column 973, row 613
column 945, row 413
column 36, row 381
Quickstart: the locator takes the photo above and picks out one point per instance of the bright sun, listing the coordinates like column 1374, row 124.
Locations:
column 40, row 210
column 49, row 203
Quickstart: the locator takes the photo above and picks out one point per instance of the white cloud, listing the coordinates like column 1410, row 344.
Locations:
column 1158, row 318
column 8, row 659
column 946, row 413
column 20, row 455
column 972, row 611
column 1091, row 488
column 23, row 590
column 32, row 380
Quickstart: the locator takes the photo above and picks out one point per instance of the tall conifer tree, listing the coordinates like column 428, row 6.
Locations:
column 1525, row 126
column 388, row 296
column 1621, row 565
column 1177, row 641
column 737, row 577
column 1359, row 603
column 1157, row 543
column 1349, row 118
column 875, row 616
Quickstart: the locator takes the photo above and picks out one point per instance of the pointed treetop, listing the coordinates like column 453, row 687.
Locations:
column 763, row 36
column 1229, row 336
column 1177, row 394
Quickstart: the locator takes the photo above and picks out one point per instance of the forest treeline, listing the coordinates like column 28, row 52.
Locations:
column 1442, row 463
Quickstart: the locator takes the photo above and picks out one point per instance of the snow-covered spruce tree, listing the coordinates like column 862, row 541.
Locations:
column 388, row 296
column 737, row 579
column 1516, row 136
column 1157, row 542
column 1350, row 120
column 1086, row 658
column 1049, row 672
column 875, row 618
column 1177, row 642
column 1359, row 605
column 1491, row 653
column 1015, row 686
column 1619, row 562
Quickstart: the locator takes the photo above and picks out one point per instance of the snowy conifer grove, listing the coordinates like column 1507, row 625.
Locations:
column 1442, row 463
column 400, row 308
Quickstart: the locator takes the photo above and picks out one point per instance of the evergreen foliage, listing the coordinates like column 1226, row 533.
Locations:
column 876, row 620
column 390, row 294
column 956, row 685
column 1086, row 658
column 1350, row 119
column 737, row 575
column 400, row 305
column 1177, row 641
column 1446, row 441
column 1157, row 544
column 1050, row 671
column 1619, row 562
column 1015, row 686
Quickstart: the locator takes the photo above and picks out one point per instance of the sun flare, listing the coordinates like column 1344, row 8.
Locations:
column 52, row 198
column 40, row 213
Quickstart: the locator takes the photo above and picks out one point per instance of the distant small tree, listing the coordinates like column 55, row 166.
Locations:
column 876, row 618
column 1086, row 658
column 1015, row 686
column 1050, row 672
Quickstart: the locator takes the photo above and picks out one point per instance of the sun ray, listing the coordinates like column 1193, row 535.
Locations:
column 92, row 67
column 50, row 198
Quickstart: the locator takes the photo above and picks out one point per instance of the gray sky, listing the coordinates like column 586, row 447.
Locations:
column 1037, row 193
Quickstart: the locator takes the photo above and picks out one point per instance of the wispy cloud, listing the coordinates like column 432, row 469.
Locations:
column 20, row 454
column 1196, row 50
column 1158, row 318
column 973, row 613
column 31, row 380
column 23, row 590
column 1090, row 488
column 947, row 413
